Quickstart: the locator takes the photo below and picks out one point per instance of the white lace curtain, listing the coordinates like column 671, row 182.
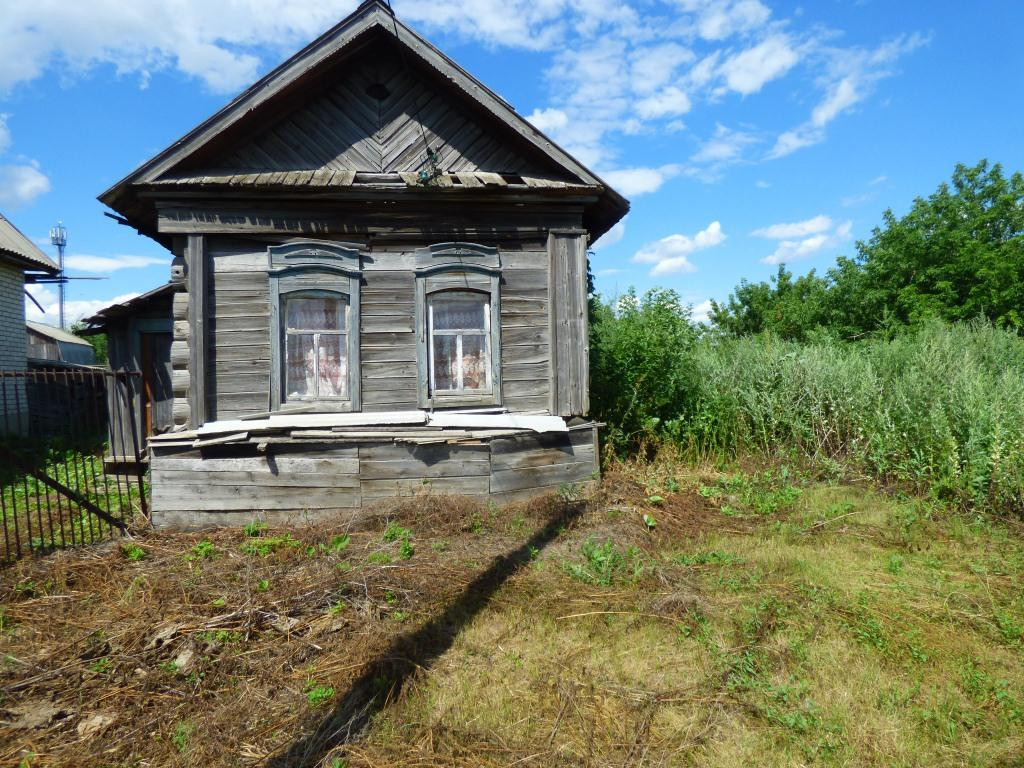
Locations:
column 316, row 346
column 460, row 354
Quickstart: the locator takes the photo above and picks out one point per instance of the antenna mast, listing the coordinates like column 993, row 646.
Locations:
column 59, row 238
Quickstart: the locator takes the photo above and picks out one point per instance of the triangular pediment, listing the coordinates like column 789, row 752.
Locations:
column 379, row 113
column 369, row 97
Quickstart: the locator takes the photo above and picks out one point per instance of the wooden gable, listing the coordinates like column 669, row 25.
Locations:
column 370, row 102
column 376, row 113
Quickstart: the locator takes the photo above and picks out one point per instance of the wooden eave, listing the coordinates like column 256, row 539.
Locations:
column 175, row 166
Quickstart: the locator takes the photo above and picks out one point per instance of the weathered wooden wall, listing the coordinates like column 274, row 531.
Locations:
column 570, row 336
column 290, row 483
column 238, row 328
column 127, row 428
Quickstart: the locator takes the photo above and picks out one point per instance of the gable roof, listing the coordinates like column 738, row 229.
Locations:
column 14, row 246
column 97, row 322
column 55, row 333
column 299, row 127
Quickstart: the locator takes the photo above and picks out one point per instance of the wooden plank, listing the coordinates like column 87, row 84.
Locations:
column 525, row 354
column 259, row 479
column 427, row 455
column 248, row 497
column 389, row 488
column 232, row 438
column 326, row 462
column 197, row 280
column 542, row 457
column 525, row 443
column 540, row 476
column 416, row 469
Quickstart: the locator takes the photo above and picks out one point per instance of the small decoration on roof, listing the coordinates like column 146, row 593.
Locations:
column 432, row 171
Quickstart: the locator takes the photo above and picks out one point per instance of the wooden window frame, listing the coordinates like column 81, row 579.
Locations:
column 457, row 267
column 327, row 268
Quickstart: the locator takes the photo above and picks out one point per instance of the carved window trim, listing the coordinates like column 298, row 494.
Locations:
column 334, row 268
column 457, row 267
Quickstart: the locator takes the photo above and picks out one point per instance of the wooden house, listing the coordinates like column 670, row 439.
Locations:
column 139, row 333
column 50, row 345
column 383, row 289
column 21, row 263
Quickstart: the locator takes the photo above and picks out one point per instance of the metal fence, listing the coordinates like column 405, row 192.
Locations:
column 59, row 487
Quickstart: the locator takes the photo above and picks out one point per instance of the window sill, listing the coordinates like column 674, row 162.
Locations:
column 452, row 401
column 315, row 406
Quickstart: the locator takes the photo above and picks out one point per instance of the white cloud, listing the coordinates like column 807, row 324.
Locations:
column 5, row 133
column 653, row 67
column 20, row 184
column 762, row 184
column 795, row 229
column 841, row 96
column 74, row 310
column 668, row 102
column 804, row 239
column 723, row 19
column 790, row 141
column 87, row 263
column 611, row 237
column 725, row 147
column 851, row 75
column 614, row 67
column 702, row 312
column 548, row 120
column 748, row 72
column 670, row 254
column 640, row 181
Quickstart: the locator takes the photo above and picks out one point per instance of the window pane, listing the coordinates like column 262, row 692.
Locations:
column 444, row 362
column 300, row 374
column 459, row 310
column 474, row 362
column 333, row 366
column 315, row 313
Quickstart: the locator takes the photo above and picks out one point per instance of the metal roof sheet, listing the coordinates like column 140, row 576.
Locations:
column 14, row 244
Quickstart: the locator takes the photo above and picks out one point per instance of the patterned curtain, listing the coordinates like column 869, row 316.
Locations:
column 316, row 347
column 460, row 340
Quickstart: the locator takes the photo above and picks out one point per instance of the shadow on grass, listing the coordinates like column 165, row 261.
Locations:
column 384, row 678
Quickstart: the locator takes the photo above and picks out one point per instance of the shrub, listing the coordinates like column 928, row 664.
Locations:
column 939, row 409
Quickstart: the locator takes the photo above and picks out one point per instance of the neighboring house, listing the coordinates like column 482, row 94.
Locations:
column 383, row 284
column 21, row 262
column 139, row 333
column 49, row 344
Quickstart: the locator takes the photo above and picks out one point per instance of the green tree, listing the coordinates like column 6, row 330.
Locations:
column 956, row 255
column 790, row 308
column 97, row 340
column 639, row 373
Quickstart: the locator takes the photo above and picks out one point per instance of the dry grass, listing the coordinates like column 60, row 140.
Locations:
column 765, row 619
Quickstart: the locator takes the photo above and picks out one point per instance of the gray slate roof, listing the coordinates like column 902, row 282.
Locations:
column 57, row 334
column 14, row 245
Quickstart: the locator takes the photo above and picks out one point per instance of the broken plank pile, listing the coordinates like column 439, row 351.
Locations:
column 418, row 427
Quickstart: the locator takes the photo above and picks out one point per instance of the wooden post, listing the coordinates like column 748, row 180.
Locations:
column 197, row 325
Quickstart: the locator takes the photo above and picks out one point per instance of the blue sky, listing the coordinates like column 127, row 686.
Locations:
column 744, row 132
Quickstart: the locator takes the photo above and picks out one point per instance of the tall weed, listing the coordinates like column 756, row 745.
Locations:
column 940, row 409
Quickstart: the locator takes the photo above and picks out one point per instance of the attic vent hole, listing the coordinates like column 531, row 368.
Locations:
column 377, row 91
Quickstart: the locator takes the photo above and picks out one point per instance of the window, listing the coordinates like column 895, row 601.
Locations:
column 316, row 348
column 314, row 315
column 459, row 325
